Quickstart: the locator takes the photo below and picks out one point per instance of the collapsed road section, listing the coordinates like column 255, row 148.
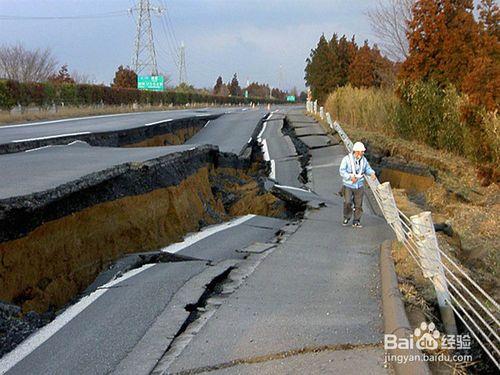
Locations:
column 60, row 229
column 68, row 212
column 155, row 129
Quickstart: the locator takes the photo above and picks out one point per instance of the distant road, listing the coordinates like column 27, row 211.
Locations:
column 95, row 124
column 230, row 132
column 46, row 168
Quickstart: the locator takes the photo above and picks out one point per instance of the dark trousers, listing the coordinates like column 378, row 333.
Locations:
column 353, row 196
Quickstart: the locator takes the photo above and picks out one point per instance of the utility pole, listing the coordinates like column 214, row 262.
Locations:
column 182, row 64
column 144, row 58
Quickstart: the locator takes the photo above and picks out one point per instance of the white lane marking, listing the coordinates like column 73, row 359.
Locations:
column 74, row 119
column 189, row 240
column 293, row 188
column 42, row 335
column 271, row 115
column 250, row 140
column 158, row 122
column 208, row 122
column 80, row 143
column 267, row 157
column 49, row 137
column 38, row 148
column 259, row 137
column 265, row 150
column 324, row 165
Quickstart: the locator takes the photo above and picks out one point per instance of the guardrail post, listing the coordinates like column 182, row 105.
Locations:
column 329, row 120
column 389, row 208
column 321, row 113
column 432, row 268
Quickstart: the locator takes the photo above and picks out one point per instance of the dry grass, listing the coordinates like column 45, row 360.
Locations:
column 370, row 108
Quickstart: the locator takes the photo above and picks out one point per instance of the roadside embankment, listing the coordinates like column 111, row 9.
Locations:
column 465, row 206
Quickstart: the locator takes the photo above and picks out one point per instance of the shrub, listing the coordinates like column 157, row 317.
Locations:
column 43, row 94
column 422, row 112
column 6, row 100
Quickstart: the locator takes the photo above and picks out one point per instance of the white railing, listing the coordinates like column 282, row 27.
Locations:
column 457, row 293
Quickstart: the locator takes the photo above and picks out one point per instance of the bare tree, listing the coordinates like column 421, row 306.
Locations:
column 19, row 64
column 389, row 21
column 80, row 77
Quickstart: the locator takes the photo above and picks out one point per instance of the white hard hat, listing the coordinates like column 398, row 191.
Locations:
column 358, row 146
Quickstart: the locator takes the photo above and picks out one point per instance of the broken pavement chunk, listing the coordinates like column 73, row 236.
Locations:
column 297, row 196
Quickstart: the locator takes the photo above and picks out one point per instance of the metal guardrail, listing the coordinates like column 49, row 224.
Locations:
column 458, row 295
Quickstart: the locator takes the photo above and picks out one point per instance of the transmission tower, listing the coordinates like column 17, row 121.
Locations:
column 144, row 58
column 182, row 64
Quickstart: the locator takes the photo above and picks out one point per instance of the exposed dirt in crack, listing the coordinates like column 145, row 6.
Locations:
column 195, row 310
column 55, row 243
column 43, row 270
column 177, row 137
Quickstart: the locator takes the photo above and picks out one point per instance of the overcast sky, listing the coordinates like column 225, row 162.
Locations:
column 249, row 37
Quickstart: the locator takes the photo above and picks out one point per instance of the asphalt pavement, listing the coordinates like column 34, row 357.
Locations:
column 311, row 306
column 316, row 292
column 280, row 151
column 116, row 317
column 46, row 168
column 231, row 132
column 95, row 124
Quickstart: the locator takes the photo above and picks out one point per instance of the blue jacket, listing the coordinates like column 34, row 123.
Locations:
column 362, row 168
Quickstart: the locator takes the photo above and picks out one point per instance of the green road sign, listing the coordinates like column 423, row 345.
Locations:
column 151, row 83
column 290, row 98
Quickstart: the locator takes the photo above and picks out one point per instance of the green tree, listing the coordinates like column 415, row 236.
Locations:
column 328, row 64
column 218, row 86
column 234, row 86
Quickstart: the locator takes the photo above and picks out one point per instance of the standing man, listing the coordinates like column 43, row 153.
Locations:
column 352, row 170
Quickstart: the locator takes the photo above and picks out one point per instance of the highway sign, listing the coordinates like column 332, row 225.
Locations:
column 290, row 98
column 151, row 83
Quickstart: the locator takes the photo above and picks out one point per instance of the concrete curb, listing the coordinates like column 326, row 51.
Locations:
column 395, row 319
